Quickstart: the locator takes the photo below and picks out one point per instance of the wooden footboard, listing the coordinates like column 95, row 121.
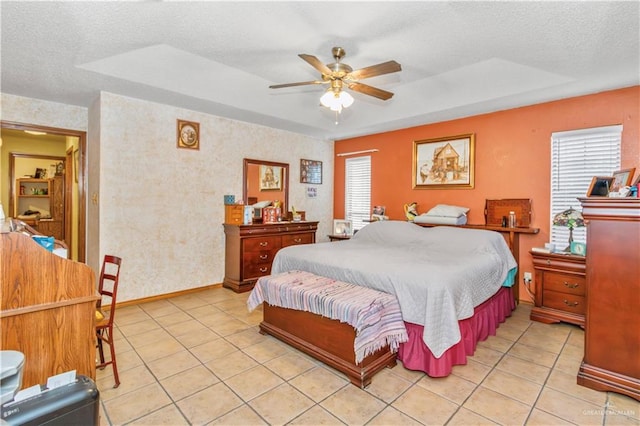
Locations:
column 327, row 340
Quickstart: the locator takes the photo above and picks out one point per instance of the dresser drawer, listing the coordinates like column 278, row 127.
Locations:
column 261, row 243
column 564, row 283
column 564, row 302
column 262, row 256
column 294, row 239
column 256, row 269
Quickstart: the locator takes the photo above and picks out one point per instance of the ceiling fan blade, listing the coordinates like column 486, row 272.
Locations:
column 375, row 70
column 315, row 62
column 371, row 91
column 302, row 83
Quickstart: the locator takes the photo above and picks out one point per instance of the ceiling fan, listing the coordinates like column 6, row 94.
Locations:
column 340, row 75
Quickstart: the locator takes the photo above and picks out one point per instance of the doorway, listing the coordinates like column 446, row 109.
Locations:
column 16, row 140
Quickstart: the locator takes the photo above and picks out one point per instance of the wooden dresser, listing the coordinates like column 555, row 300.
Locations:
column 560, row 288
column 612, row 324
column 250, row 249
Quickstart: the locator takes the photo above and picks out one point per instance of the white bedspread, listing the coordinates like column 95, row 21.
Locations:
column 437, row 274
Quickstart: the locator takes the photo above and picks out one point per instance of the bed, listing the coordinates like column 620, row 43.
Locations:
column 453, row 284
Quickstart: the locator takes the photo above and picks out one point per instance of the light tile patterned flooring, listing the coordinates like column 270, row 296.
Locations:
column 199, row 359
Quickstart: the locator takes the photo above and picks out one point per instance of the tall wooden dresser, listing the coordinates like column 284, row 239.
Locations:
column 612, row 323
column 250, row 249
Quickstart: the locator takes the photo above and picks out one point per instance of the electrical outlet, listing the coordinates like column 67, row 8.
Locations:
column 527, row 276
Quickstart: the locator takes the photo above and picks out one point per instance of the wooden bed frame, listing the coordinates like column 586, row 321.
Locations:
column 327, row 340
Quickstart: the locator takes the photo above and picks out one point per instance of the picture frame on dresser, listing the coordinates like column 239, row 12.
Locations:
column 342, row 227
column 600, row 186
column 622, row 178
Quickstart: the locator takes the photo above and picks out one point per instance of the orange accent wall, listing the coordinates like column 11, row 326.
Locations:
column 512, row 158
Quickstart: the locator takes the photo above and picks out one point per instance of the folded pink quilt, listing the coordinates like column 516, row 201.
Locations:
column 375, row 315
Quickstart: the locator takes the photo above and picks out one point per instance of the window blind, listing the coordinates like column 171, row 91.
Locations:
column 358, row 190
column 576, row 157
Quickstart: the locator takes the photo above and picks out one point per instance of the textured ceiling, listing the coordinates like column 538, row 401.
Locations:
column 458, row 58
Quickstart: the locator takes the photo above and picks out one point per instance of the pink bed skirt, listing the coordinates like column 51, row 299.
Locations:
column 486, row 318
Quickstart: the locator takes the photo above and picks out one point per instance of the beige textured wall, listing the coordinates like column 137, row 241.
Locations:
column 42, row 113
column 161, row 208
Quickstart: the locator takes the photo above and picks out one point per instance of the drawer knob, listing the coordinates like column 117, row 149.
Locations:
column 570, row 304
column 264, row 269
column 571, row 285
column 297, row 240
column 264, row 243
column 264, row 256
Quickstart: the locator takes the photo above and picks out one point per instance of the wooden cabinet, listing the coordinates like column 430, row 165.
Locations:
column 250, row 249
column 234, row 214
column 43, row 194
column 47, row 310
column 612, row 324
column 560, row 288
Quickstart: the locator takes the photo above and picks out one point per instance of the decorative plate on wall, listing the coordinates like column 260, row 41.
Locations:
column 188, row 134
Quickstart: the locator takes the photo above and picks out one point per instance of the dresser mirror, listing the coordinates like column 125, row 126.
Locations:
column 265, row 181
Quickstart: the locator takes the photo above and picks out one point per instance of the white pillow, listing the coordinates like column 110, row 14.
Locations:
column 447, row 211
column 45, row 214
column 261, row 204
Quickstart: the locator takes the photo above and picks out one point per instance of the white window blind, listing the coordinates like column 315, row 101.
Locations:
column 358, row 190
column 576, row 157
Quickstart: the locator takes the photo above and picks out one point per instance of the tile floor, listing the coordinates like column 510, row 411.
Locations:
column 199, row 359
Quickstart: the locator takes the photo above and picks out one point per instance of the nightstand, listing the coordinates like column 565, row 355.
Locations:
column 340, row 237
column 560, row 288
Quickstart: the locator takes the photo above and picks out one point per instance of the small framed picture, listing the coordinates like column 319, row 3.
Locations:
column 310, row 171
column 600, row 186
column 188, row 134
column 270, row 178
column 41, row 173
column 622, row 178
column 378, row 210
column 342, row 227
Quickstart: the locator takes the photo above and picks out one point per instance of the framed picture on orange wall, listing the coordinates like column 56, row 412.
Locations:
column 444, row 163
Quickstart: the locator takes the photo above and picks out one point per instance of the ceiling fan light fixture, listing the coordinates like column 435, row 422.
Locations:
column 346, row 99
column 336, row 100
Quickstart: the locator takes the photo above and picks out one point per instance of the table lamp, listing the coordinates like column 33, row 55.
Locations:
column 569, row 218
